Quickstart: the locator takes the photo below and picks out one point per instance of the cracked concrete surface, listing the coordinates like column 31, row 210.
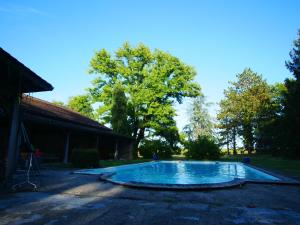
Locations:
column 65, row 198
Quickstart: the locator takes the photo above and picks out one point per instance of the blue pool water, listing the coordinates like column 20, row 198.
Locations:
column 183, row 172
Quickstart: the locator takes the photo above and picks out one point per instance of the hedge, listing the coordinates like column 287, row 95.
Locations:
column 85, row 158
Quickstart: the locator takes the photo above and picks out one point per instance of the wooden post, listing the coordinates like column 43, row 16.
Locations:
column 130, row 147
column 116, row 155
column 97, row 143
column 67, row 145
column 13, row 140
column 99, row 147
column 19, row 139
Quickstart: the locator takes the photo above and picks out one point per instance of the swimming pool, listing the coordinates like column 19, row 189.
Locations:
column 182, row 174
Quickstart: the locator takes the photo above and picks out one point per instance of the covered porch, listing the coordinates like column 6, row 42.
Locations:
column 16, row 79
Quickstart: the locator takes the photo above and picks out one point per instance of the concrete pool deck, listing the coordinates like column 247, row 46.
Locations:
column 65, row 198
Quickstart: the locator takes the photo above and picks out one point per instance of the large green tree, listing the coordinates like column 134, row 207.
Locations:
column 119, row 114
column 228, row 121
column 244, row 102
column 153, row 81
column 268, row 134
column 291, row 110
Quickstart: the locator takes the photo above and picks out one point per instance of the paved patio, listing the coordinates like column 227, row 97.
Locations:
column 65, row 198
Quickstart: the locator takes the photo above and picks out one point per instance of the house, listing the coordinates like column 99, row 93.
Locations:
column 57, row 130
column 15, row 79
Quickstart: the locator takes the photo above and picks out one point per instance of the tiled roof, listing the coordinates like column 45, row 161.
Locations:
column 12, row 71
column 40, row 108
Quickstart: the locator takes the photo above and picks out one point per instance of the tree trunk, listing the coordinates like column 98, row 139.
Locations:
column 67, row 146
column 248, row 138
column 227, row 144
column 140, row 136
column 234, row 140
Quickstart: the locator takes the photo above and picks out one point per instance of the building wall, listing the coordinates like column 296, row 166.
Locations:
column 106, row 147
column 51, row 141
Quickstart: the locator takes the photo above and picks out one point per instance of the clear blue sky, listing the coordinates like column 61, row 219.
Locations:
column 57, row 39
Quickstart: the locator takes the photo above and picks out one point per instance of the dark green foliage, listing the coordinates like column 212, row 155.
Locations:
column 279, row 134
column 244, row 106
column 153, row 82
column 203, row 148
column 119, row 112
column 294, row 64
column 268, row 132
column 291, row 119
column 167, row 132
column 85, row 158
column 161, row 148
column 291, row 110
column 267, row 117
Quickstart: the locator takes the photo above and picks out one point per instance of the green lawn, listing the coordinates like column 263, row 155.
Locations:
column 284, row 166
column 102, row 163
column 108, row 163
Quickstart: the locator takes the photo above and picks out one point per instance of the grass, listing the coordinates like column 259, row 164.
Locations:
column 287, row 167
column 102, row 163
column 109, row 163
column 284, row 166
column 57, row 165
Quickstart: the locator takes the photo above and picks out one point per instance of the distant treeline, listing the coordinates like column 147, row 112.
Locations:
column 266, row 117
column 135, row 90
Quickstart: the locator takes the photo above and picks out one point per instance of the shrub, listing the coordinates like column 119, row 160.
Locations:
column 85, row 158
column 161, row 148
column 203, row 148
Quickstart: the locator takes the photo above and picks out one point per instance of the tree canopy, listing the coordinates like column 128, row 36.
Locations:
column 294, row 64
column 291, row 109
column 135, row 89
column 200, row 122
column 81, row 104
column 119, row 114
column 244, row 104
column 267, row 117
column 153, row 81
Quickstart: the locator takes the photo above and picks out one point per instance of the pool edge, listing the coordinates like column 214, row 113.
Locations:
column 234, row 183
column 283, row 180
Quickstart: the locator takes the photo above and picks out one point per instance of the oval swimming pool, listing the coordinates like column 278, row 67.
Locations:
column 182, row 174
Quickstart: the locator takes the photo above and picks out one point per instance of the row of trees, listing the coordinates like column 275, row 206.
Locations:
column 249, row 105
column 136, row 88
column 266, row 117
